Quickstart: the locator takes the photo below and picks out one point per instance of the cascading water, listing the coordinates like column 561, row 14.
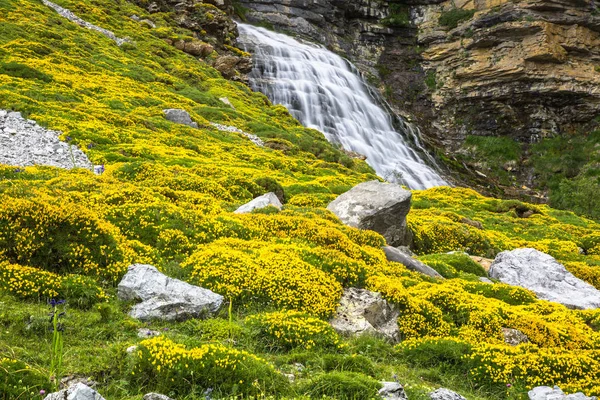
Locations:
column 326, row 92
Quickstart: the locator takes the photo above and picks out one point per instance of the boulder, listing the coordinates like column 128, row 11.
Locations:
column 179, row 117
column 546, row 277
column 381, row 207
column 155, row 396
column 396, row 255
column 445, row 394
column 548, row 393
column 163, row 297
column 269, row 199
column 78, row 391
column 392, row 391
column 362, row 311
column 226, row 65
column 514, row 337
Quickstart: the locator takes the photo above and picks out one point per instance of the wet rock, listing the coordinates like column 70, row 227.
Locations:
column 392, row 391
column 78, row 391
column 266, row 200
column 546, row 277
column 381, row 207
column 394, row 254
column 362, row 311
column 163, row 297
column 179, row 116
column 445, row 394
column 548, row 393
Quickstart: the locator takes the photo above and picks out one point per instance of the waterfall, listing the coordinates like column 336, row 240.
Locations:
column 326, row 92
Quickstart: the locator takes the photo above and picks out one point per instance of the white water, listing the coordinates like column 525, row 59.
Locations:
column 325, row 92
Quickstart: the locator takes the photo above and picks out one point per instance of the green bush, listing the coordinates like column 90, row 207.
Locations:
column 457, row 261
column 399, row 16
column 433, row 352
column 348, row 363
column 451, row 19
column 23, row 71
column 343, row 386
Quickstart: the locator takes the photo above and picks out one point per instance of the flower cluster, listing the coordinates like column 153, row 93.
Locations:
column 286, row 330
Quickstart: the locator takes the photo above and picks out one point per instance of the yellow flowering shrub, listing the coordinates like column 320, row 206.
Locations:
column 585, row 272
column 285, row 330
column 29, row 282
column 169, row 367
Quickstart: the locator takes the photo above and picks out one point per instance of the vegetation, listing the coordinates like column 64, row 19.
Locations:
column 399, row 15
column 451, row 18
column 166, row 198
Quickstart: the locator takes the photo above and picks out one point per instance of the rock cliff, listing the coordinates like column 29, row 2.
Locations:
column 467, row 70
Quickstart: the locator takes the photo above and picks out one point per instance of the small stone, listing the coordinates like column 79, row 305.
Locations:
column 179, row 116
column 485, row 280
column 78, row 391
column 156, row 396
column 225, row 100
column 146, row 333
column 131, row 349
column 445, row 394
column 392, row 391
column 266, row 200
column 514, row 337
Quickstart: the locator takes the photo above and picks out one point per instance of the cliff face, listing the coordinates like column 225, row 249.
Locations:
column 468, row 70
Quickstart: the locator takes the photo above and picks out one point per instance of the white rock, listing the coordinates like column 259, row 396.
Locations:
column 381, row 207
column 548, row 393
column 163, row 297
column 146, row 333
column 227, row 128
column 25, row 143
column 546, row 277
column 445, row 394
column 268, row 199
column 396, row 255
column 75, row 392
column 392, row 391
column 156, row 396
column 179, row 116
column 362, row 311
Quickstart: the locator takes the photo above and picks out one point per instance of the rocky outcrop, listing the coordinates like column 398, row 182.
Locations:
column 392, row 391
column 24, row 143
column 266, row 200
column 445, row 394
column 179, row 117
column 228, row 128
column 381, row 207
column 395, row 255
column 78, row 391
column 548, row 393
column 163, row 297
column 362, row 311
column 546, row 277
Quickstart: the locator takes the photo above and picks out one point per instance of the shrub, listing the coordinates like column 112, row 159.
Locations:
column 343, row 386
column 458, row 261
column 349, row 363
column 169, row 367
column 285, row 330
column 450, row 19
column 23, row 71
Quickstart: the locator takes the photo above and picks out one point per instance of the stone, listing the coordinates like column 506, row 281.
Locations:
column 485, row 280
column 445, row 394
column 78, row 391
column 396, row 255
column 486, row 263
column 63, row 12
column 131, row 349
column 546, row 277
column 163, row 297
column 266, row 200
column 364, row 312
column 226, row 65
column 155, row 396
column 548, row 393
column 228, row 128
column 225, row 100
column 381, row 207
column 72, row 380
column 514, row 337
column 392, row 391
column 24, row 143
column 179, row 116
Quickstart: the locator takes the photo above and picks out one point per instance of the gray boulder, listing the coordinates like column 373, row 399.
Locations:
column 381, row 207
column 163, row 297
column 362, row 311
column 179, row 117
column 156, row 396
column 548, row 393
column 78, row 391
column 392, row 391
column 546, row 277
column 514, row 337
column 394, row 254
column 445, row 394
column 269, row 199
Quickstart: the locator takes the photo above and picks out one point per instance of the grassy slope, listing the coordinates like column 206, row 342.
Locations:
column 166, row 198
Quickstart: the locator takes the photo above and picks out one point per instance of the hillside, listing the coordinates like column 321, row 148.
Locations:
column 166, row 196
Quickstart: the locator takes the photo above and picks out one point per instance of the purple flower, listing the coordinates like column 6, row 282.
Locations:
column 69, row 138
column 54, row 302
column 42, row 392
column 165, row 329
column 18, row 170
column 508, row 385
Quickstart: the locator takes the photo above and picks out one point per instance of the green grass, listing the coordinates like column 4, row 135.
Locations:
column 450, row 19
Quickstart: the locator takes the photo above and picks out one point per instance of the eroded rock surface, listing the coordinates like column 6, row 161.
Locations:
column 546, row 277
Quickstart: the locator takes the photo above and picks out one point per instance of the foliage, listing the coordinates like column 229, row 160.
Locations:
column 399, row 16
column 343, row 385
column 451, row 18
column 19, row 381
